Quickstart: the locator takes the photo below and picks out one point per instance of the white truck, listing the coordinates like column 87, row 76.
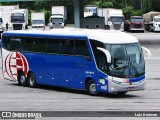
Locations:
column 1, row 21
column 152, row 21
column 6, row 13
column 19, row 19
column 38, row 20
column 114, row 18
column 90, row 11
column 58, row 18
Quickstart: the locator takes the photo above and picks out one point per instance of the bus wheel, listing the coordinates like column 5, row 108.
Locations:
column 21, row 79
column 31, row 80
column 91, row 88
column 122, row 93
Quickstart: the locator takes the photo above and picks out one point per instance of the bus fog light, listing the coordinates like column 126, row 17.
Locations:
column 102, row 81
column 112, row 88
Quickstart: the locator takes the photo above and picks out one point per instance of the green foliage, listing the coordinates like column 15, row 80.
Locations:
column 101, row 3
column 151, row 5
column 130, row 11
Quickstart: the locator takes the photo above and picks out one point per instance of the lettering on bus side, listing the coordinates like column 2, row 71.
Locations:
column 89, row 72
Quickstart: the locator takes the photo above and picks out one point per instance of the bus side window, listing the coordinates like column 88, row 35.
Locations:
column 67, row 46
column 101, row 61
column 81, row 48
column 27, row 44
column 6, row 42
column 53, row 45
column 15, row 44
column 99, row 55
column 40, row 45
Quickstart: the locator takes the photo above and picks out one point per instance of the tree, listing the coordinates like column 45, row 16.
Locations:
column 130, row 11
column 151, row 5
column 101, row 3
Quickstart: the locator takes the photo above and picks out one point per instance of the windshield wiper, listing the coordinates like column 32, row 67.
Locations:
column 131, row 65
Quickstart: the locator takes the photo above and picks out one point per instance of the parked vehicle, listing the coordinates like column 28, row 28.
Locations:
column 19, row 19
column 90, row 11
column 1, row 21
column 152, row 21
column 6, row 13
column 135, row 23
column 38, row 20
column 58, row 18
column 114, row 18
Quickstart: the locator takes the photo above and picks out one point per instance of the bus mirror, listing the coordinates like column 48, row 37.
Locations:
column 108, row 55
column 147, row 51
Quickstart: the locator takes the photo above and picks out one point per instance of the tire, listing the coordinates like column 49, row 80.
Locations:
column 121, row 93
column 91, row 88
column 130, row 30
column 31, row 80
column 150, row 28
column 22, row 81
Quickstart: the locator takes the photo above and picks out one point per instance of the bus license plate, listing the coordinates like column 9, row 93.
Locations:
column 130, row 88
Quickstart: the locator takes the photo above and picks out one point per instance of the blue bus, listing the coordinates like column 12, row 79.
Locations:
column 92, row 60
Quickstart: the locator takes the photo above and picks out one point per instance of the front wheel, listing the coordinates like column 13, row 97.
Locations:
column 150, row 28
column 121, row 93
column 31, row 80
column 91, row 88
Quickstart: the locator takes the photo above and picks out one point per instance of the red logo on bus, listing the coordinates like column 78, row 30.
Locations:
column 15, row 62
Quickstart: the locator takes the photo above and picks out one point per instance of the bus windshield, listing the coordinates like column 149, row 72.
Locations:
column 127, row 60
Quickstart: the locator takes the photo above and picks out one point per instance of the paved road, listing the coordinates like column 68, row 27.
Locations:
column 13, row 97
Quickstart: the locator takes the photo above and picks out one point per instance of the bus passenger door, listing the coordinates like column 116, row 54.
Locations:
column 76, row 73
column 79, row 64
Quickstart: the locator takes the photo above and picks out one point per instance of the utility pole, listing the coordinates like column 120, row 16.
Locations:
column 142, row 6
column 125, row 3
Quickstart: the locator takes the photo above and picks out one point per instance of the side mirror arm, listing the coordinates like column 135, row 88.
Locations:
column 148, row 51
column 108, row 55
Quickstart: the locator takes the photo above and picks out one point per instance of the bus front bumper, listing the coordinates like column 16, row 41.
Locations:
column 117, row 87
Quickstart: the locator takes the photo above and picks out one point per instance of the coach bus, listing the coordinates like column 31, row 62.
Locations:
column 92, row 60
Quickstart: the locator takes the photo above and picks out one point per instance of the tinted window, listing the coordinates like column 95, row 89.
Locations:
column 67, row 46
column 15, row 44
column 81, row 48
column 27, row 44
column 40, row 45
column 12, row 43
column 53, row 45
column 99, row 55
column 6, row 42
column 96, row 44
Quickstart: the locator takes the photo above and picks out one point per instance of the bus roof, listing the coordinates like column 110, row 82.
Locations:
column 105, row 36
